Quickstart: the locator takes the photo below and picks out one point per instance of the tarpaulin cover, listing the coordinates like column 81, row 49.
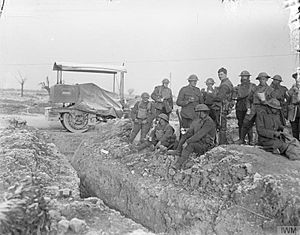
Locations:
column 97, row 100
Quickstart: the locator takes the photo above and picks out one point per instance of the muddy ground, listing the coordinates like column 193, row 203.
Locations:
column 22, row 145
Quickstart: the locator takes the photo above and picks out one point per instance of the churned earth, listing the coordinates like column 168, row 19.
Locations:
column 229, row 190
column 39, row 189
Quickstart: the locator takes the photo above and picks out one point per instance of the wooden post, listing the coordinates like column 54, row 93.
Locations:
column 114, row 83
column 122, row 85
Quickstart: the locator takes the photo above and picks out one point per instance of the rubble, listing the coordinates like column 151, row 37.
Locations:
column 63, row 226
column 39, row 190
column 229, row 189
column 78, row 225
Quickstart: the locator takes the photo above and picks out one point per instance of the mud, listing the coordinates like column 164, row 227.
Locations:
column 229, row 190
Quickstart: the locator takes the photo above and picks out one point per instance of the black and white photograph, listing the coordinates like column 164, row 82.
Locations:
column 149, row 117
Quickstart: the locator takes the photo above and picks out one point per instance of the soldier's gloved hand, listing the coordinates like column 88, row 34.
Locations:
column 285, row 131
column 248, row 111
column 277, row 134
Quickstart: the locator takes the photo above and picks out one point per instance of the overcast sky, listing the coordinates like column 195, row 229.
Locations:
column 152, row 37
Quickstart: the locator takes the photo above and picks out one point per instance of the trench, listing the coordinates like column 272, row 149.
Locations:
column 218, row 195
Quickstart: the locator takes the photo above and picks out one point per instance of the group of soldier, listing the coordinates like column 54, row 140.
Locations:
column 204, row 113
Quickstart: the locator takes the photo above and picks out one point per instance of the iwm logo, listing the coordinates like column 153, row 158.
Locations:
column 294, row 230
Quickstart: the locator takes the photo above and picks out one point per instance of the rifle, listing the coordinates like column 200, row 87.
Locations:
column 180, row 122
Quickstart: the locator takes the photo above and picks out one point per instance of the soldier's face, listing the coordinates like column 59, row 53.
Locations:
column 202, row 114
column 162, row 121
column 145, row 99
column 222, row 75
column 193, row 83
column 245, row 79
column 276, row 82
column 263, row 81
column 165, row 84
column 209, row 85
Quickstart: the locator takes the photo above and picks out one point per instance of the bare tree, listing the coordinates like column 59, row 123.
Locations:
column 2, row 7
column 45, row 85
column 21, row 79
column 130, row 91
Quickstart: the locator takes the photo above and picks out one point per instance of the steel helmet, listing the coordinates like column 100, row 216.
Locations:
column 165, row 80
column 262, row 74
column 274, row 103
column 193, row 77
column 210, row 81
column 164, row 117
column 245, row 73
column 145, row 95
column 277, row 77
column 201, row 107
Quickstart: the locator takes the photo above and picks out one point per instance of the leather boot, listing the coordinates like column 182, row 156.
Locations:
column 250, row 138
column 222, row 138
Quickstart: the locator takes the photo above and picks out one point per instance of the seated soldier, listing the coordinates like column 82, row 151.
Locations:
column 162, row 136
column 199, row 137
column 270, row 129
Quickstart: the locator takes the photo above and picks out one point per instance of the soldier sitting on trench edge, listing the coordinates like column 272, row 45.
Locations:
column 199, row 137
column 162, row 137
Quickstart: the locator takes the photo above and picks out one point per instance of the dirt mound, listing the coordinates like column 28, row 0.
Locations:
column 39, row 190
column 231, row 189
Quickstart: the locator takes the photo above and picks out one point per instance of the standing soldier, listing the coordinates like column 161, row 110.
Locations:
column 162, row 95
column 280, row 93
column 241, row 94
column 256, row 101
column 223, row 104
column 209, row 95
column 294, row 106
column 189, row 96
column 199, row 137
column 142, row 115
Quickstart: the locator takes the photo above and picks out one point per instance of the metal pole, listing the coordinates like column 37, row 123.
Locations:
column 57, row 76
column 122, row 85
column 114, row 83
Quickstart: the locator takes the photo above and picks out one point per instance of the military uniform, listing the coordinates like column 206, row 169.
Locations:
column 199, row 138
column 163, row 99
column 241, row 94
column 267, row 125
column 255, row 104
column 142, row 115
column 188, row 98
column 222, row 102
column 294, row 107
column 209, row 96
column 280, row 93
column 161, row 133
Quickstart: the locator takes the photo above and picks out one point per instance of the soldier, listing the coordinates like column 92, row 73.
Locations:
column 189, row 96
column 294, row 106
column 199, row 137
column 162, row 95
column 223, row 104
column 255, row 102
column 280, row 93
column 209, row 95
column 241, row 94
column 162, row 136
column 270, row 129
column 142, row 115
